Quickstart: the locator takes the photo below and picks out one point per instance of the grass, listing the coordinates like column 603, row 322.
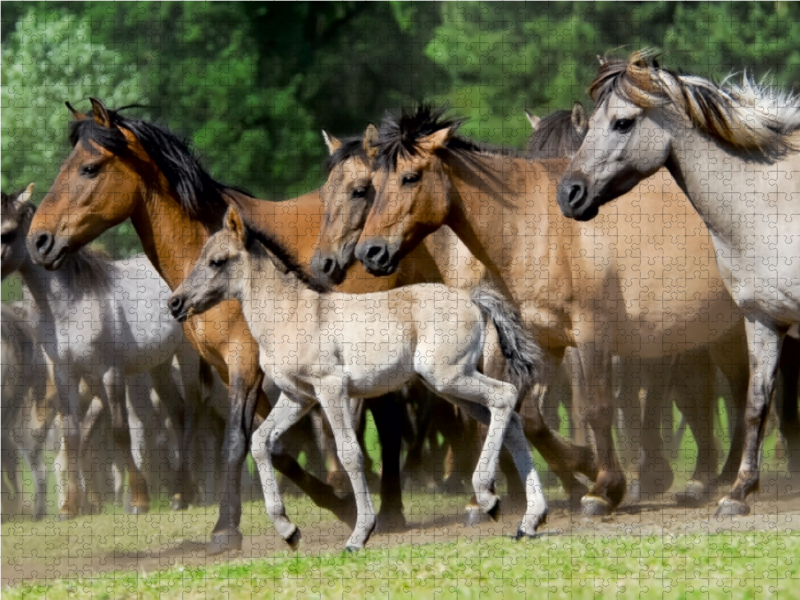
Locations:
column 711, row 566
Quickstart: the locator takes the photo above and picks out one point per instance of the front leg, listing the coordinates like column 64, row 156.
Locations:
column 764, row 345
column 114, row 388
column 286, row 412
column 332, row 396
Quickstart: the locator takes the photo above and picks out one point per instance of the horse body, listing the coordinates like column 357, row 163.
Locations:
column 575, row 284
column 327, row 348
column 734, row 153
column 100, row 321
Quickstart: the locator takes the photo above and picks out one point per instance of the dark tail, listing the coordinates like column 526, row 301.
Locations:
column 524, row 357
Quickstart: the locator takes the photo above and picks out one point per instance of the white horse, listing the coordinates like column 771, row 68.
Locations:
column 329, row 347
column 102, row 321
column 733, row 150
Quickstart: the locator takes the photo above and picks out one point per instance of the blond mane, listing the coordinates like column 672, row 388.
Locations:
column 751, row 117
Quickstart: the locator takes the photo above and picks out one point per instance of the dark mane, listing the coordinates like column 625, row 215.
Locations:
column 352, row 147
column 284, row 255
column 555, row 137
column 199, row 194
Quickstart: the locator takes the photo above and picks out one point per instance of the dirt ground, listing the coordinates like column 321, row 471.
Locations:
column 776, row 509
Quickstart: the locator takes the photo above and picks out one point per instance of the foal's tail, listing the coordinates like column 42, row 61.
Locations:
column 524, row 357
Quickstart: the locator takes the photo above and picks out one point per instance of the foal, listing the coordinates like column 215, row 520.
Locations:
column 327, row 348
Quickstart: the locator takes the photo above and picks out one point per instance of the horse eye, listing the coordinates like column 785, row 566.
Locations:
column 90, row 170
column 623, row 125
column 360, row 192
column 410, row 178
column 218, row 262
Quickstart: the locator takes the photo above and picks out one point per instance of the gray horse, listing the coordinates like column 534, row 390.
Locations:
column 102, row 321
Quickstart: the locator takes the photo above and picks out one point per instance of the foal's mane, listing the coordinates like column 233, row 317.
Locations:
column 399, row 137
column 199, row 194
column 751, row 117
column 281, row 253
column 555, row 137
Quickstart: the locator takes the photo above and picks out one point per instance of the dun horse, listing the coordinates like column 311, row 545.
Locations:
column 123, row 168
column 734, row 152
column 574, row 287
column 328, row 347
column 122, row 329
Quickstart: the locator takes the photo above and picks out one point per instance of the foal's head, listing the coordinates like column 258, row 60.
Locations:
column 347, row 197
column 16, row 219
column 217, row 275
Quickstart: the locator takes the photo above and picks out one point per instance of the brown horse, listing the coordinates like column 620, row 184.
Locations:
column 122, row 168
column 658, row 295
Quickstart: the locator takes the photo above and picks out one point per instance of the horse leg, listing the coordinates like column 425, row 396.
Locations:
column 332, row 396
column 114, row 387
column 694, row 376
column 34, row 434
column 388, row 413
column 286, row 412
column 67, row 462
column 765, row 344
column 655, row 471
column 789, row 420
column 609, row 487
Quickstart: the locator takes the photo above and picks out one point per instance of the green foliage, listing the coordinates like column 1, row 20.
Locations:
column 51, row 58
column 252, row 84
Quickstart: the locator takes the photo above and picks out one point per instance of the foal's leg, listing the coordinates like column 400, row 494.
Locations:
column 67, row 472
column 765, row 345
column 388, row 414
column 332, row 395
column 286, row 412
column 789, row 420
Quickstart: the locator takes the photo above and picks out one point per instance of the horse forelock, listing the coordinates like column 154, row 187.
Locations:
column 753, row 118
column 197, row 192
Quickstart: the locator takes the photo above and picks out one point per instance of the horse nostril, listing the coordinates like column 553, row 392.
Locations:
column 175, row 303
column 374, row 251
column 576, row 193
column 43, row 242
column 328, row 266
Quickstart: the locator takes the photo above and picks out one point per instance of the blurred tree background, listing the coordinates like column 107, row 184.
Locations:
column 252, row 84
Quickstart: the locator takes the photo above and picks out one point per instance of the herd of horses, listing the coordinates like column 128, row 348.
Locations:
column 428, row 268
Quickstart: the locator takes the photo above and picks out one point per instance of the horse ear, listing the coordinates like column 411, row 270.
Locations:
column 602, row 60
column 579, row 121
column 25, row 195
column 331, row 142
column 75, row 114
column 100, row 113
column 371, row 141
column 533, row 119
column 436, row 140
column 235, row 224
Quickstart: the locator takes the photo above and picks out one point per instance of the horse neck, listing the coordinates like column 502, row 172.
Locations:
column 281, row 292
column 490, row 196
column 722, row 204
column 171, row 239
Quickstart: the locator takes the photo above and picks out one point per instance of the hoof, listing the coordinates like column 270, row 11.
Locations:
column 494, row 512
column 178, row 503
column 474, row 516
column 695, row 494
column 294, row 539
column 595, row 506
column 634, row 491
column 729, row 507
column 137, row 510
column 224, row 541
column 351, row 549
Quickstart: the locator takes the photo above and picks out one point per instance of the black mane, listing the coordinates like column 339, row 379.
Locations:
column 352, row 147
column 555, row 137
column 284, row 255
column 198, row 193
column 400, row 137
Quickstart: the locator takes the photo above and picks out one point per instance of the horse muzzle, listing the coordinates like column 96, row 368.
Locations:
column 46, row 249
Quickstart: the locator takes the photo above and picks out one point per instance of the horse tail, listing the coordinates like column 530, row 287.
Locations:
column 524, row 356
